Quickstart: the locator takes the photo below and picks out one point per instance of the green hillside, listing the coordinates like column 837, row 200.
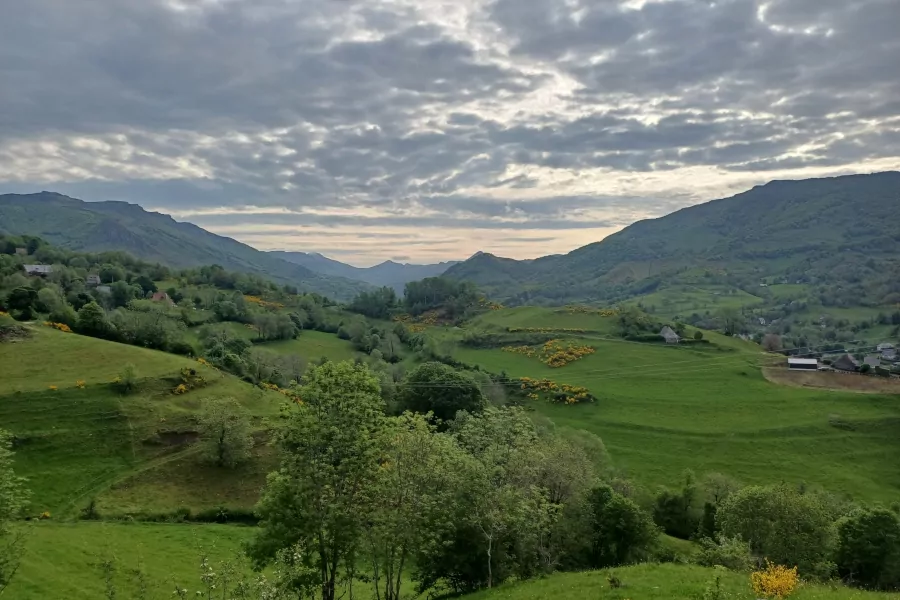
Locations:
column 837, row 235
column 150, row 236
column 661, row 409
column 75, row 443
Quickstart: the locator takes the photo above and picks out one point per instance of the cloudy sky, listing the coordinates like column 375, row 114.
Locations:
column 428, row 129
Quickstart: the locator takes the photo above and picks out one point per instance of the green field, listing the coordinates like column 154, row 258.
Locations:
column 62, row 560
column 73, row 444
column 684, row 300
column 536, row 317
column 662, row 409
column 313, row 345
column 655, row 582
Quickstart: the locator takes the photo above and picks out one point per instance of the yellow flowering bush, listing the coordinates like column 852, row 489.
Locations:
column 775, row 582
column 53, row 388
column 561, row 393
column 264, row 303
column 553, row 353
column 180, row 389
column 60, row 326
column 79, row 383
column 45, row 515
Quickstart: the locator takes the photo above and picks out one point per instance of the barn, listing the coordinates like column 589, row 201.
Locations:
column 803, row 364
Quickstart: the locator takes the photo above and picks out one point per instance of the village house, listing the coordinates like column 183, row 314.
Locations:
column 93, row 279
column 803, row 364
column 873, row 360
column 845, row 363
column 888, row 351
column 669, row 335
column 41, row 270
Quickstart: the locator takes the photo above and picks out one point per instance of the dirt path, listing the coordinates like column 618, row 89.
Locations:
column 842, row 382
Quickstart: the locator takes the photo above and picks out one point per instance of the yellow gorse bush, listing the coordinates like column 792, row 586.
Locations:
column 264, row 303
column 79, row 383
column 53, row 388
column 559, row 392
column 59, row 326
column 553, row 353
column 775, row 582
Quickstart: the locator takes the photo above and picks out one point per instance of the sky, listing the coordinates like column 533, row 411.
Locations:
column 427, row 130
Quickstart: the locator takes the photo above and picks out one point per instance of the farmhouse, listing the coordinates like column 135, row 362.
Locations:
column 873, row 360
column 845, row 363
column 669, row 335
column 93, row 280
column 803, row 364
column 38, row 269
column 888, row 351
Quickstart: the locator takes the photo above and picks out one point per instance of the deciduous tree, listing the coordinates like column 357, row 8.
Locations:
column 225, row 432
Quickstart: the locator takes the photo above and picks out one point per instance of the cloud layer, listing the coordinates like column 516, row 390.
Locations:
column 373, row 129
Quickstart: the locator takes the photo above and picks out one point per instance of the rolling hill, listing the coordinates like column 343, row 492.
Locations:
column 389, row 273
column 119, row 226
column 839, row 235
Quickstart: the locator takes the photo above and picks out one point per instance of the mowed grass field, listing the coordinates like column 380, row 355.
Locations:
column 655, row 582
column 74, row 443
column 684, row 300
column 663, row 409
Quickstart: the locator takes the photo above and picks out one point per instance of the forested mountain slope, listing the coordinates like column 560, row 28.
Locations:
column 103, row 226
column 841, row 235
column 389, row 273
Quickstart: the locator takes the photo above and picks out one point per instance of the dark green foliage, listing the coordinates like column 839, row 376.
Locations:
column 92, row 321
column 787, row 527
column 698, row 335
column 453, row 297
column 377, row 304
column 868, row 550
column 677, row 511
column 440, row 389
column 21, row 298
column 621, row 532
column 731, row 553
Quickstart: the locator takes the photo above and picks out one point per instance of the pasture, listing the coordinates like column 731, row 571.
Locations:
column 663, row 409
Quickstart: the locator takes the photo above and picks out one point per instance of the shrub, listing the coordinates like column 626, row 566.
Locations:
column 775, row 581
column 869, row 548
column 698, row 335
column 732, row 553
column 127, row 379
column 621, row 532
column 440, row 389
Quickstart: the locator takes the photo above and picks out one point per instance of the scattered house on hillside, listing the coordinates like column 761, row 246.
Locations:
column 104, row 289
column 41, row 270
column 888, row 351
column 884, row 346
column 162, row 297
column 803, row 364
column 669, row 335
column 873, row 360
column 93, row 279
column 22, row 251
column 845, row 363
column 762, row 321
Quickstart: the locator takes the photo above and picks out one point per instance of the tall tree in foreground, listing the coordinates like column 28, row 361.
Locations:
column 13, row 500
column 331, row 446
column 225, row 431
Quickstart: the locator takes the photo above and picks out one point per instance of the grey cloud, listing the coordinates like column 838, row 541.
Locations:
column 300, row 103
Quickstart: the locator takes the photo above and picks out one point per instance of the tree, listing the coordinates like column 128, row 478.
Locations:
column 698, row 335
column 731, row 320
column 442, row 390
column 147, row 286
column 868, row 550
column 783, row 525
column 677, row 511
column 13, row 500
column 21, row 298
column 49, row 299
column 771, row 342
column 225, row 432
column 621, row 532
column 92, row 321
column 417, row 488
column 716, row 489
column 331, row 450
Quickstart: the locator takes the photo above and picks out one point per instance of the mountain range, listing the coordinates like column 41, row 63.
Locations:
column 388, row 274
column 151, row 236
column 840, row 235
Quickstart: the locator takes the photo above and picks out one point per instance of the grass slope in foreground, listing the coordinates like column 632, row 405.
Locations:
column 75, row 443
column 663, row 409
column 655, row 582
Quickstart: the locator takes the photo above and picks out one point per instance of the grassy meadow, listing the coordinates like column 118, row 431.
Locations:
column 655, row 582
column 73, row 443
column 662, row 409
